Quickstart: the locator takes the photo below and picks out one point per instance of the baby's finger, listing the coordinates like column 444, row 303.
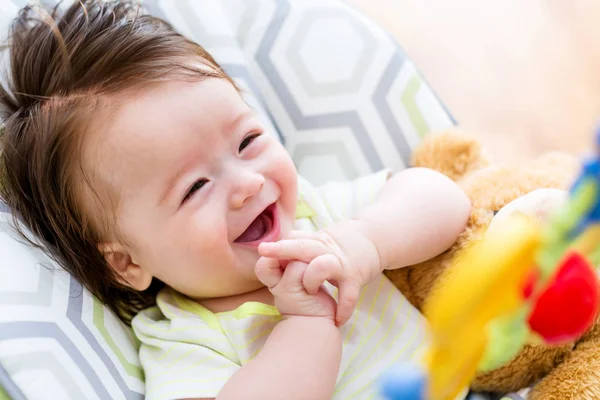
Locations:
column 292, row 277
column 304, row 250
column 348, row 297
column 321, row 269
column 268, row 271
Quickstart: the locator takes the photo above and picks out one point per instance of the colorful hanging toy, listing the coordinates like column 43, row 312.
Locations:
column 523, row 282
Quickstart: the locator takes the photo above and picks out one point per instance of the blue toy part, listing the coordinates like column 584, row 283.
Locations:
column 404, row 382
column 589, row 173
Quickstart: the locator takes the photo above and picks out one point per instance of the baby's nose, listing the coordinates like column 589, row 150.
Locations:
column 246, row 188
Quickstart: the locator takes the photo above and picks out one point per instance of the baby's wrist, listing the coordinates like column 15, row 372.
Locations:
column 309, row 319
column 308, row 323
column 361, row 243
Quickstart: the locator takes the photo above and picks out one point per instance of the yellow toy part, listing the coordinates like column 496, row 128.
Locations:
column 459, row 310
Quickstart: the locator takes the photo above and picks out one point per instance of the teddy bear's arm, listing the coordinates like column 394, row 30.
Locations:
column 577, row 377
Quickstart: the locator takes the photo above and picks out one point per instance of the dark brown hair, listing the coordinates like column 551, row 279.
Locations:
column 61, row 65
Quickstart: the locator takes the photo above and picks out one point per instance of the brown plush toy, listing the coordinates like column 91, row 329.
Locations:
column 556, row 373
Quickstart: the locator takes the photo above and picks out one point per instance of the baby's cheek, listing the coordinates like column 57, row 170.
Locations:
column 199, row 249
column 206, row 233
column 287, row 179
column 279, row 168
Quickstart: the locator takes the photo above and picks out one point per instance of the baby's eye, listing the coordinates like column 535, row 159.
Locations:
column 195, row 187
column 247, row 140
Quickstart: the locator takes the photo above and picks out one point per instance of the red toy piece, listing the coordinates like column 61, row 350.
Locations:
column 530, row 282
column 568, row 307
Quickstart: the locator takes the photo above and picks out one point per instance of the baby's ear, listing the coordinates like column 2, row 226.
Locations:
column 129, row 273
column 452, row 152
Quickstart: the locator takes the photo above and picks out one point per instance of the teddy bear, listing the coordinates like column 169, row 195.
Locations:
column 535, row 188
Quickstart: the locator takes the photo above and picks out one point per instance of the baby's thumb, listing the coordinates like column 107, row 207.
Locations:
column 268, row 271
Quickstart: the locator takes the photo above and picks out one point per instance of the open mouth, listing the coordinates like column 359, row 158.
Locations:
column 262, row 228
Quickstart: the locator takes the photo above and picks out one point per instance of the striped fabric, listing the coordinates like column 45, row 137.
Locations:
column 189, row 352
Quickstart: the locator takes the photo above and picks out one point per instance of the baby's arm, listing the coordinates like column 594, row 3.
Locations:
column 301, row 357
column 300, row 360
column 418, row 215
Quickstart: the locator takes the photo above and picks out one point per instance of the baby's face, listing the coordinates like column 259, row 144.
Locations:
column 199, row 185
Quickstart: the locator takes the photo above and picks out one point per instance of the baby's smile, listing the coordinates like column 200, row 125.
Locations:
column 264, row 228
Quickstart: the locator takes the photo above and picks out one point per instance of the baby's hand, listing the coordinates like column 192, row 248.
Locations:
column 291, row 298
column 340, row 255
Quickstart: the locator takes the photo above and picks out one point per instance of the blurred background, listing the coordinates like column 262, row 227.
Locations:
column 523, row 75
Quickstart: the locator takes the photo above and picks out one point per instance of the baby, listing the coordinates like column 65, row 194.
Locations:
column 131, row 153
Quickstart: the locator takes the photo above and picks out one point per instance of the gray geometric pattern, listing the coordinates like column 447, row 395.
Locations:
column 42, row 329
column 41, row 297
column 305, row 122
column 186, row 10
column 303, row 151
column 269, row 47
column 8, row 387
column 360, row 62
column 383, row 108
column 75, row 315
column 249, row 14
column 294, row 60
column 47, row 361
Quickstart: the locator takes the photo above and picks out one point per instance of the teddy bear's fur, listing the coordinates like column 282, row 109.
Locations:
column 568, row 372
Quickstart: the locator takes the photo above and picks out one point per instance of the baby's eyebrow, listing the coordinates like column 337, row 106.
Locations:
column 234, row 125
column 173, row 181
